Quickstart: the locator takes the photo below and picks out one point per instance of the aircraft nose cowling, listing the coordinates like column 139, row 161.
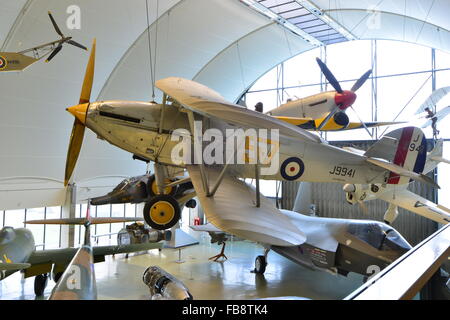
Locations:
column 79, row 111
column 345, row 99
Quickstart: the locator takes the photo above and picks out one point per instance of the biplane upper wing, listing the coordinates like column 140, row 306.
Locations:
column 233, row 210
column 205, row 101
column 421, row 206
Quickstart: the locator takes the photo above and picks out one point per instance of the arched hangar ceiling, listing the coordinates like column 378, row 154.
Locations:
column 224, row 44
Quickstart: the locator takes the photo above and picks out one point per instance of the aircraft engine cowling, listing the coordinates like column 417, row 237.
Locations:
column 341, row 119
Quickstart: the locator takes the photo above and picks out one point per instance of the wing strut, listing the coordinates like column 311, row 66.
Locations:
column 199, row 152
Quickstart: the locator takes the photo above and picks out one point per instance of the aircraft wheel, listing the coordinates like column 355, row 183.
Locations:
column 191, row 204
column 162, row 212
column 40, row 282
column 152, row 188
column 260, row 264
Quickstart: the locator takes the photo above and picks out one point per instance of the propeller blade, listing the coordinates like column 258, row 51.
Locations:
column 362, row 122
column 358, row 84
column 85, row 95
column 76, row 44
column 329, row 76
column 328, row 118
column 54, row 53
column 58, row 31
column 79, row 111
column 76, row 140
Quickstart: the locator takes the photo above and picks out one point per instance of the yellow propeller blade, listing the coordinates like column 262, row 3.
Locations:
column 76, row 140
column 85, row 95
column 79, row 112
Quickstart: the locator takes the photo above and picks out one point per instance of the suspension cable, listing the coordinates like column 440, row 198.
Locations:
column 150, row 51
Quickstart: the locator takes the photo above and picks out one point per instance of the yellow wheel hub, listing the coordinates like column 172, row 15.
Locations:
column 162, row 212
column 167, row 190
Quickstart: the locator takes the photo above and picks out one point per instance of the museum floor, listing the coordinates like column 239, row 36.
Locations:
column 120, row 278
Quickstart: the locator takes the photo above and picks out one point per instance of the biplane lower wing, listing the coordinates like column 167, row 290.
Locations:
column 233, row 209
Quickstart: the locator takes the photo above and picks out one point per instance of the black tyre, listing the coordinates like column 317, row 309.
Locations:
column 191, row 204
column 260, row 264
column 152, row 189
column 57, row 276
column 40, row 282
column 162, row 212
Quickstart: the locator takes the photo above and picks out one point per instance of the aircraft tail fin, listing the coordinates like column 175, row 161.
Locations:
column 404, row 148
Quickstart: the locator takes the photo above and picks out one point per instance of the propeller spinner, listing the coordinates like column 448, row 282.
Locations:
column 79, row 112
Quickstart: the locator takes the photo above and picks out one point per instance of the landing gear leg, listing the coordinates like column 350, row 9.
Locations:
column 261, row 263
column 40, row 282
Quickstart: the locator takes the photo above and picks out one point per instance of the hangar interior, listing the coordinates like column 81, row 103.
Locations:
column 246, row 50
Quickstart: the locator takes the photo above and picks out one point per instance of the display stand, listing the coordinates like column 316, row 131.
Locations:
column 179, row 240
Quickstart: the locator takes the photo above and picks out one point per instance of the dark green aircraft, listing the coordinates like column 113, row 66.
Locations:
column 18, row 252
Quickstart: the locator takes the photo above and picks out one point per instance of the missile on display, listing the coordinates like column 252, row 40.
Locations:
column 164, row 286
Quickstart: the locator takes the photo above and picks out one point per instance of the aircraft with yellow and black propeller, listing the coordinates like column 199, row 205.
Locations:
column 154, row 131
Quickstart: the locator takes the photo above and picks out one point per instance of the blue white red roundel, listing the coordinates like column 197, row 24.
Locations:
column 292, row 168
column 2, row 63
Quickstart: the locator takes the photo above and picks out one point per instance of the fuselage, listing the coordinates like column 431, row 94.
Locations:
column 344, row 245
column 135, row 127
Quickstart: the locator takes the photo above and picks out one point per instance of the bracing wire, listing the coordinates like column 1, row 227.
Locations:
column 150, row 51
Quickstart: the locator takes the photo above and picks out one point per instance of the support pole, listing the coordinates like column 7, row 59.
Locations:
column 68, row 211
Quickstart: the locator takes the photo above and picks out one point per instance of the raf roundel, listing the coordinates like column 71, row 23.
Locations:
column 2, row 63
column 292, row 169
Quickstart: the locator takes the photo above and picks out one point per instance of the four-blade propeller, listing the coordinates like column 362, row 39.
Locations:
column 344, row 98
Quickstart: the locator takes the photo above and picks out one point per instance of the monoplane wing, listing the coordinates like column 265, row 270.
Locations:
column 13, row 266
column 233, row 209
column 82, row 221
column 414, row 203
column 204, row 101
column 41, row 261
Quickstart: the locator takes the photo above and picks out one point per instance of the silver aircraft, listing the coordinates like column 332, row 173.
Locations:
column 153, row 131
column 339, row 246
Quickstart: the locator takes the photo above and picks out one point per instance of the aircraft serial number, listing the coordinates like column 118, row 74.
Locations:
column 343, row 171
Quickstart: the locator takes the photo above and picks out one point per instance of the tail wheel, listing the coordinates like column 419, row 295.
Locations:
column 162, row 212
column 153, row 188
column 260, row 264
